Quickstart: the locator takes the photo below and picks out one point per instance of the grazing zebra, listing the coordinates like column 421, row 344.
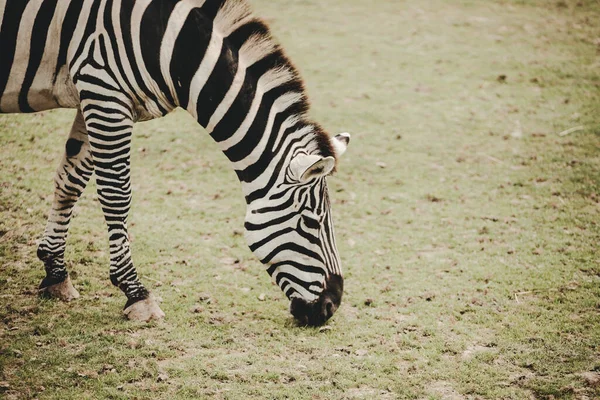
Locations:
column 122, row 61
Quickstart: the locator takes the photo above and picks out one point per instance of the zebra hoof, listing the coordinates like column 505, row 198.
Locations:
column 144, row 310
column 63, row 291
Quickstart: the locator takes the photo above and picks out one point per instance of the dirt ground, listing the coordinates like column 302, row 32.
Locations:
column 467, row 213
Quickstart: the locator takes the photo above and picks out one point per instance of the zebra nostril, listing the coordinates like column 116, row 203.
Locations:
column 328, row 309
column 300, row 310
column 317, row 312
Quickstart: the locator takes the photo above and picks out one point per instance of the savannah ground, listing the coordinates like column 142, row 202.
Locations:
column 468, row 227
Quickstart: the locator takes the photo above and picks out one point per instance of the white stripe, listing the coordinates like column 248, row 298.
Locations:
column 43, row 79
column 213, row 51
column 263, row 179
column 149, row 104
column 93, row 117
column 289, row 122
column 281, row 104
column 230, row 17
column 269, row 80
column 78, row 37
column 301, row 291
column 227, row 101
column 136, row 25
column 101, row 74
column 99, row 113
column 254, row 49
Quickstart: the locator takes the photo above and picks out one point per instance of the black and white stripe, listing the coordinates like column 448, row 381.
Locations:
column 122, row 61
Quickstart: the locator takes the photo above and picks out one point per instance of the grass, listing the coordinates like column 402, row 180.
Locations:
column 468, row 227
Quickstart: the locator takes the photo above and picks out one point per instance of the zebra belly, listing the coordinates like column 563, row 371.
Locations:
column 61, row 94
column 32, row 74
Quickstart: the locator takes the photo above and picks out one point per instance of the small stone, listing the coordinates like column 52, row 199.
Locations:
column 196, row 309
column 591, row 378
column 261, row 297
column 205, row 297
column 162, row 378
column 325, row 328
column 361, row 352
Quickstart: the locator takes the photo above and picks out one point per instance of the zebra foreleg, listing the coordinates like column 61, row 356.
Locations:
column 109, row 127
column 70, row 180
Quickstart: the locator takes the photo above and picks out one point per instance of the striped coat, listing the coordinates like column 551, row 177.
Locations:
column 122, row 61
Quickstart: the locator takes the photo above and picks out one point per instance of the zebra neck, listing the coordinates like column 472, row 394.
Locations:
column 244, row 91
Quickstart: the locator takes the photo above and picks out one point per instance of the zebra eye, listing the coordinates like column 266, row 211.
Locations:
column 310, row 222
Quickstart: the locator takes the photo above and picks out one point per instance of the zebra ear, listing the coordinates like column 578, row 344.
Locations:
column 307, row 166
column 340, row 143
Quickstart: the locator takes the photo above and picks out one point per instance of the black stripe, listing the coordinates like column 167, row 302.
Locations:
column 66, row 34
column 13, row 12
column 272, row 236
column 306, row 268
column 251, row 172
column 217, row 84
column 86, row 94
column 256, row 131
column 109, row 138
column 151, row 33
column 283, row 206
column 236, row 114
column 299, row 282
column 257, row 227
column 262, row 192
column 36, row 50
column 188, row 51
column 114, row 48
column 294, row 248
column 103, row 109
column 90, row 27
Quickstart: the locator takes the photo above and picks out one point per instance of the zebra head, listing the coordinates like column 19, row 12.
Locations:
column 291, row 231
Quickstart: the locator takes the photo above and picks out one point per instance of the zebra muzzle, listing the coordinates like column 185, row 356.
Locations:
column 317, row 312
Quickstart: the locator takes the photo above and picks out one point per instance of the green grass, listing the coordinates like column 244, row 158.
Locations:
column 468, row 227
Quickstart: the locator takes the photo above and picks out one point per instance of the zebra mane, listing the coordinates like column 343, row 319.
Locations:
column 236, row 16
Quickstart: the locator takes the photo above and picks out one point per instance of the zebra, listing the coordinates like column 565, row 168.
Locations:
column 121, row 61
